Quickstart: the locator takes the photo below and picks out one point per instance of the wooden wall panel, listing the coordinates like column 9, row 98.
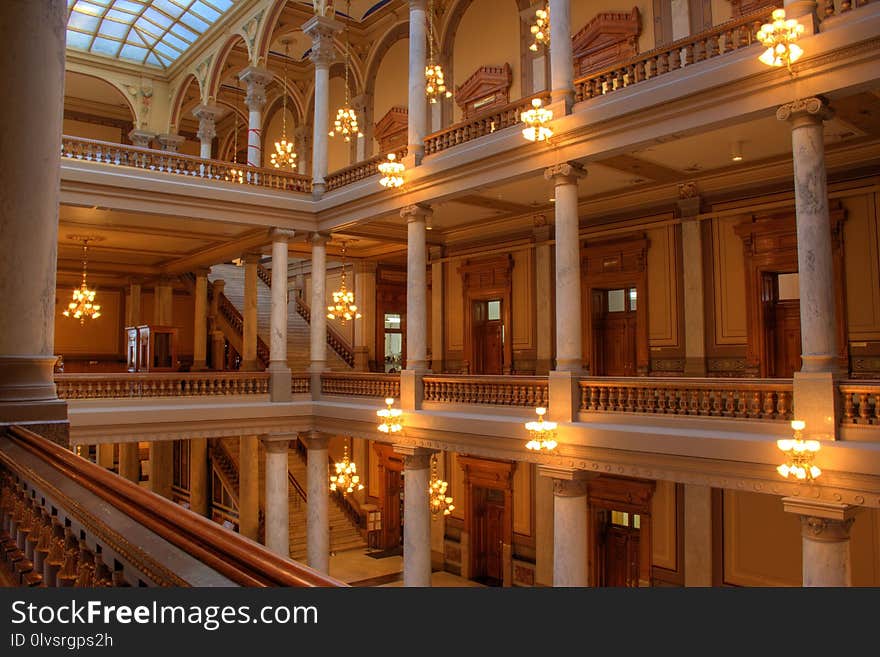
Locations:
column 862, row 266
column 454, row 323
column 456, row 485
column 522, row 498
column 99, row 336
column 663, row 515
column 374, row 485
column 865, row 548
column 663, row 274
column 523, row 299
column 728, row 283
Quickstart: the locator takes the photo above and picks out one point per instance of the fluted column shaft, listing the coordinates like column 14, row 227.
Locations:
column 277, row 503
column 561, row 58
column 418, row 102
column 200, row 314
column 416, row 519
column 318, row 519
column 249, row 314
column 416, row 288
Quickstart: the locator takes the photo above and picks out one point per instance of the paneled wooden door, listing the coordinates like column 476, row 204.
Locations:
column 619, row 549
column 614, row 332
column 392, row 518
column 488, row 337
column 489, row 539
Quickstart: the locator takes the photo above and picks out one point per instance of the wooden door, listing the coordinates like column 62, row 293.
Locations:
column 488, row 337
column 619, row 548
column 488, row 539
column 495, row 541
column 787, row 331
column 392, row 518
column 614, row 332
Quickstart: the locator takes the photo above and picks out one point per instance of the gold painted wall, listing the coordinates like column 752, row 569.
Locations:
column 92, row 131
column 663, row 516
column 862, row 263
column 522, row 498
column 488, row 35
column 729, row 282
column 102, row 336
column 454, row 320
column 338, row 151
column 583, row 12
column 721, row 11
column 663, row 275
column 392, row 82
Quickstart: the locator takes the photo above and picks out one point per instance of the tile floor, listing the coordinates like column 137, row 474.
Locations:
column 356, row 568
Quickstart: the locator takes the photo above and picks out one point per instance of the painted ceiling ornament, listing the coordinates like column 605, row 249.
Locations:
column 324, row 8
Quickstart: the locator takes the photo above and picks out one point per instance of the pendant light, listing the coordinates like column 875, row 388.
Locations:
column 346, row 123
column 83, row 305
column 435, row 84
column 284, row 155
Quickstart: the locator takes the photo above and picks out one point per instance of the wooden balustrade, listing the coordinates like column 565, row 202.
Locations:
column 726, row 37
column 300, row 383
column 92, row 150
column 359, row 170
column 465, row 131
column 760, row 399
column 71, row 563
column 360, row 384
column 842, row 6
column 860, row 402
column 126, row 385
column 531, row 391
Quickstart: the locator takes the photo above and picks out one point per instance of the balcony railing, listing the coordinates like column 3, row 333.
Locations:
column 860, row 402
column 478, row 126
column 92, row 150
column 359, row 170
column 127, row 385
column 726, row 37
column 489, row 390
column 361, row 385
column 758, row 399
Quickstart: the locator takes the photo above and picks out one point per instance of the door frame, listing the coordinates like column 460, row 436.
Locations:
column 498, row 475
column 484, row 280
column 388, row 460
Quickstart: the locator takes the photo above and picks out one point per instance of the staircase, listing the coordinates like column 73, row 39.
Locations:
column 298, row 336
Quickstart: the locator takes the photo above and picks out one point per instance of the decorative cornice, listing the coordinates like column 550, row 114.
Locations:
column 565, row 172
column 815, row 108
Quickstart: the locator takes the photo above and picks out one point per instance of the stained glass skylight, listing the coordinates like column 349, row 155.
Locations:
column 150, row 32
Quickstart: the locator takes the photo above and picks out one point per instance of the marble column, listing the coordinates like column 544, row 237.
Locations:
column 318, row 324
column 256, row 80
column 161, row 467
column 249, row 362
column 825, row 528
column 688, row 207
column 544, row 288
column 365, row 329
column 321, row 30
column 133, row 315
column 418, row 102
column 814, row 388
column 569, row 331
column 198, row 475
column 416, row 287
column 130, row 461
column 200, row 322
column 249, row 487
column 561, row 57
column 438, row 314
column 318, row 518
column 569, row 525
column 416, row 515
column 163, row 301
column 170, row 142
column 32, row 57
column 277, row 492
column 697, row 535
column 279, row 370
column 207, row 115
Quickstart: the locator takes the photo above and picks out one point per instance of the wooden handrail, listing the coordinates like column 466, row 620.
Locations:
column 241, row 560
column 236, row 321
column 94, row 150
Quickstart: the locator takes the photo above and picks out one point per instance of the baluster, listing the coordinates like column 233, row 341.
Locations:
column 829, row 8
column 712, row 46
column 639, row 72
column 682, row 406
column 783, row 405
column 85, row 575
column 69, row 568
column 845, row 6
column 730, row 404
column 594, row 398
column 640, row 400
column 864, row 409
column 689, row 57
column 755, row 404
column 769, row 405
column 603, row 398
column 631, row 393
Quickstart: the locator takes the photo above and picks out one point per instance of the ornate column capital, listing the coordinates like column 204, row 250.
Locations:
column 825, row 529
column 207, row 115
column 822, row 521
column 141, row 138
column 283, row 234
column 573, row 488
column 319, row 239
column 415, row 212
column 256, row 79
column 565, row 173
column 321, row 30
column 812, row 110
column 414, row 458
column 418, row 4
column 276, row 444
column 314, row 440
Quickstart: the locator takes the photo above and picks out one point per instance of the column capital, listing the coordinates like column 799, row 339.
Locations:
column 319, row 239
column 170, row 142
column 414, row 458
column 277, row 444
column 314, row 440
column 565, row 173
column 134, row 280
column 416, row 211
column 811, row 110
column 256, row 79
column 283, row 234
column 141, row 138
column 418, row 4
column 321, row 30
column 207, row 111
column 207, row 115
column 435, row 253
column 822, row 521
column 567, row 482
column 251, row 258
column 689, row 201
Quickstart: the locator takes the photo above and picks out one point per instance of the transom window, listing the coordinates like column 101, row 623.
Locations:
column 622, row 300
column 151, row 32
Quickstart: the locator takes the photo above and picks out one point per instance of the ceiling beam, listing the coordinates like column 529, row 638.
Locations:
column 253, row 240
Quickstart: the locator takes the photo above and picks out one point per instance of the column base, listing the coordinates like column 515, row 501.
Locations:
column 27, row 378
column 318, row 189
column 561, row 102
column 33, row 412
column 816, row 403
column 279, row 384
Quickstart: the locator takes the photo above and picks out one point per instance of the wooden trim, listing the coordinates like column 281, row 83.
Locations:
column 482, row 280
column 675, row 577
column 488, row 88
column 717, row 537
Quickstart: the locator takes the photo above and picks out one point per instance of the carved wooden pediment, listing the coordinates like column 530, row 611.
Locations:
column 618, row 255
column 391, row 130
column 487, row 88
column 608, row 38
column 742, row 7
column 492, row 272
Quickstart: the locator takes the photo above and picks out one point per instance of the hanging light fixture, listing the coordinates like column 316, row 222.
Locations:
column 799, row 454
column 343, row 307
column 83, row 305
column 391, row 422
column 540, row 29
column 440, row 503
column 779, row 37
column 392, row 172
column 346, row 478
column 346, row 123
column 284, row 155
column 235, row 174
column 435, row 84
column 542, row 432
column 536, row 120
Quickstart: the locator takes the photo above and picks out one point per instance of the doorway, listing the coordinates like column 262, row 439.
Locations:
column 390, row 535
column 488, row 539
column 780, row 298
column 617, row 547
column 393, row 361
column 488, row 336
column 614, row 331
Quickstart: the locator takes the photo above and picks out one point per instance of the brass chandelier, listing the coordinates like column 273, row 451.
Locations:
column 779, row 37
column 346, row 478
column 392, row 172
column 391, row 422
column 343, row 307
column 799, row 454
column 540, row 29
column 440, row 503
column 542, row 432
column 284, row 155
column 435, row 84
column 83, row 305
column 536, row 120
column 346, row 123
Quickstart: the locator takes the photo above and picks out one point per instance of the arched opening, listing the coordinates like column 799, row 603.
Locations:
column 96, row 109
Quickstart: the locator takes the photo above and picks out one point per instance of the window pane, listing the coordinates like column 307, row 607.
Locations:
column 494, row 310
column 392, row 321
column 620, row 518
column 788, row 287
column 632, row 298
column 637, row 521
column 616, row 301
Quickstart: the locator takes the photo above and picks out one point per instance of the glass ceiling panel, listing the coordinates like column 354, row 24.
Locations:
column 150, row 32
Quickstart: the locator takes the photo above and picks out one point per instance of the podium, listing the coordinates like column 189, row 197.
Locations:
column 151, row 348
